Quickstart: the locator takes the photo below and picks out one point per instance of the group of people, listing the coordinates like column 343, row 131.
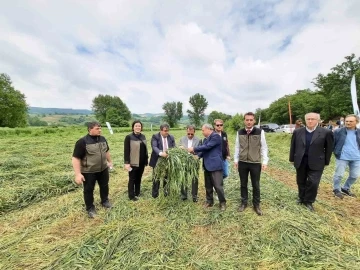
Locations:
column 310, row 151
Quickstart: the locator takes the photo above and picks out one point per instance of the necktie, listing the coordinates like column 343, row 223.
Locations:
column 165, row 144
column 248, row 131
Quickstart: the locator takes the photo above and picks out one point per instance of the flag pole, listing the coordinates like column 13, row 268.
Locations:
column 290, row 115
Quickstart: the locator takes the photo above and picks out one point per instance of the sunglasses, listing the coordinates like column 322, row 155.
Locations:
column 190, row 134
column 219, row 125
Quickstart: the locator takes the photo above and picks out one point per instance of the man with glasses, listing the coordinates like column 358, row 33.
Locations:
column 160, row 143
column 190, row 140
column 310, row 151
column 347, row 153
column 219, row 128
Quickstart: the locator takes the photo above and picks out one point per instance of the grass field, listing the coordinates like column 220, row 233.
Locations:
column 43, row 224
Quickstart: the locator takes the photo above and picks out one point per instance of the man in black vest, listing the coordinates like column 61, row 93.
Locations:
column 91, row 159
column 310, row 151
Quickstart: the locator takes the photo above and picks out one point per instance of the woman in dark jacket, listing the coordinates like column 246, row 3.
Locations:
column 135, row 158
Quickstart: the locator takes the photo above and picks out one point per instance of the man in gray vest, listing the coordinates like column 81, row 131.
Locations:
column 91, row 159
column 250, row 147
column 190, row 140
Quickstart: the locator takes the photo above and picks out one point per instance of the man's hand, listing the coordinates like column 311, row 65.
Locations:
column 264, row 167
column 190, row 149
column 127, row 167
column 163, row 154
column 235, row 165
column 228, row 158
column 79, row 179
column 110, row 165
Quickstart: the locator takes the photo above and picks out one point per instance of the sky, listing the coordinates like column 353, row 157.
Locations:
column 241, row 55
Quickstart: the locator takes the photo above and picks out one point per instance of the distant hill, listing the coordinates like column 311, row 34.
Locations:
column 75, row 116
column 39, row 110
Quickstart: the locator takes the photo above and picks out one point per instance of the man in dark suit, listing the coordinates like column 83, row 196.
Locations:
column 211, row 153
column 310, row 152
column 160, row 143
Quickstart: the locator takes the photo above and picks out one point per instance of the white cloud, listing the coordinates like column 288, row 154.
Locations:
column 240, row 56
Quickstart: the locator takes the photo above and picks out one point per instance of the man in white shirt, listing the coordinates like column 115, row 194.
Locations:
column 190, row 140
column 160, row 143
column 251, row 156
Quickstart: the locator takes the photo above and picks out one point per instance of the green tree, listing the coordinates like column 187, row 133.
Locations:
column 101, row 104
column 115, row 119
column 199, row 104
column 173, row 112
column 335, row 88
column 218, row 115
column 13, row 107
column 235, row 123
column 302, row 102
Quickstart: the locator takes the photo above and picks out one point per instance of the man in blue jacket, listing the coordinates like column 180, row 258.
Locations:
column 347, row 153
column 211, row 153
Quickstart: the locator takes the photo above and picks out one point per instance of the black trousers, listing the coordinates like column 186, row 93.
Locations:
column 254, row 169
column 89, row 185
column 214, row 180
column 156, row 187
column 308, row 182
column 194, row 189
column 134, row 184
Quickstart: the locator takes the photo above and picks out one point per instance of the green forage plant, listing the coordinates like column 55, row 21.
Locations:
column 178, row 169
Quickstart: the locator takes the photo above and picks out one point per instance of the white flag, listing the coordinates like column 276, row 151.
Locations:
column 354, row 96
column 109, row 127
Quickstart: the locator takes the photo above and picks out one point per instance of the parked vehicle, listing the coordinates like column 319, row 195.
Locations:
column 286, row 128
column 270, row 127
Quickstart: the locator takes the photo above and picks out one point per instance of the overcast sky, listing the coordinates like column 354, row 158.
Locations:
column 241, row 55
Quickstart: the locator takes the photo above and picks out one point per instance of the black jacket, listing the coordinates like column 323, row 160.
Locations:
column 320, row 149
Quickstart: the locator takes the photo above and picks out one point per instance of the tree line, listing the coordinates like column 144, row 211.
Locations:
column 331, row 98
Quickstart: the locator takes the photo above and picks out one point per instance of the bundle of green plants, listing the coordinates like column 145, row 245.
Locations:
column 177, row 169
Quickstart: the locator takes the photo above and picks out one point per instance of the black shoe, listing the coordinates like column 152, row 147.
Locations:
column 134, row 199
column 184, row 198
column 195, row 199
column 242, row 207
column 223, row 206
column 347, row 192
column 207, row 205
column 338, row 194
column 106, row 204
column 310, row 207
column 91, row 212
column 258, row 210
column 299, row 201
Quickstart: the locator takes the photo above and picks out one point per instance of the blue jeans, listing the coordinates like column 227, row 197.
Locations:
column 225, row 168
column 354, row 168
